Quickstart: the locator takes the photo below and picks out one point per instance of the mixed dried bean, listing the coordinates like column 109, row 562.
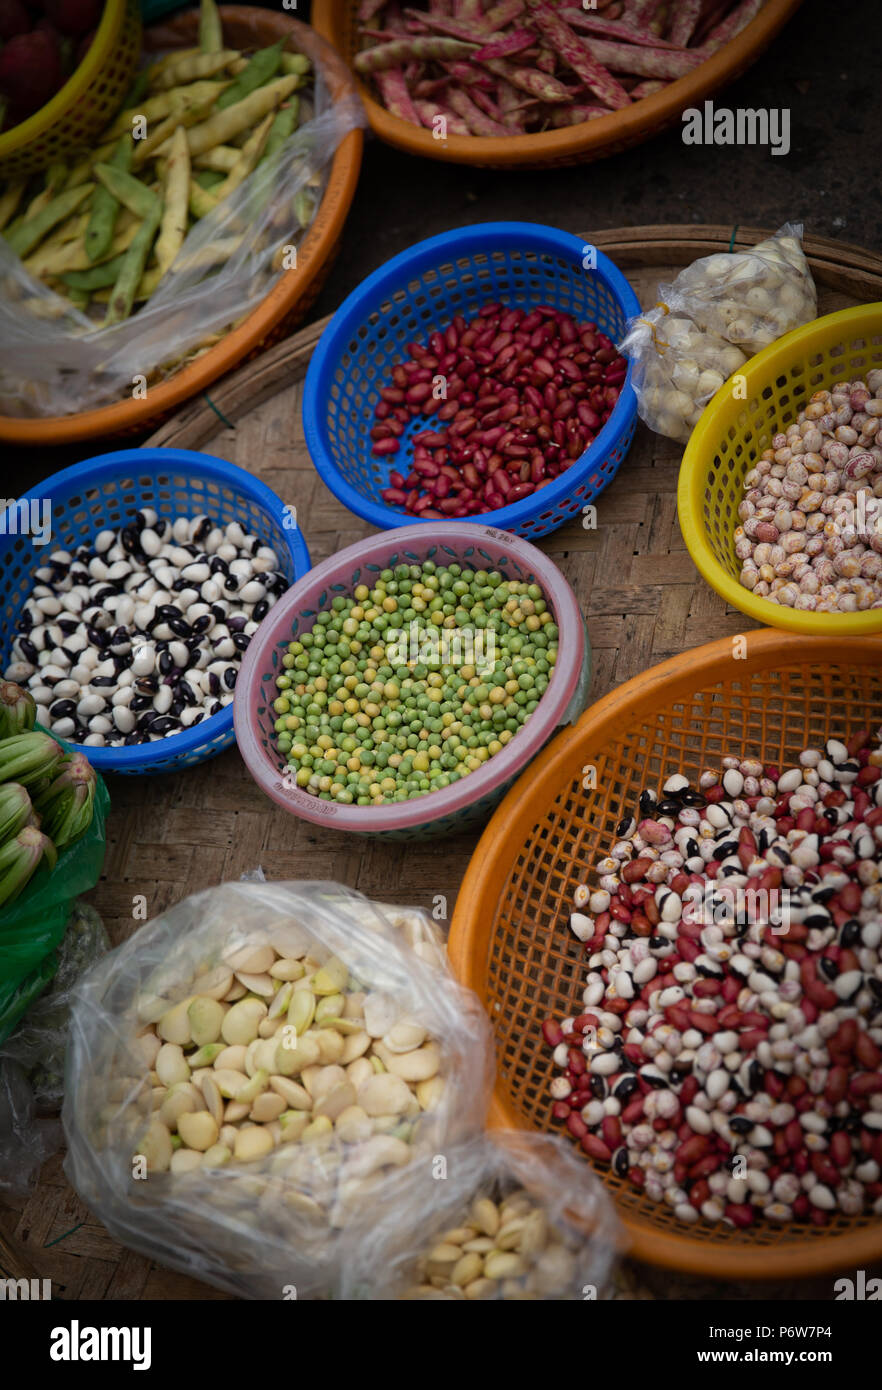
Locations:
column 727, row 1058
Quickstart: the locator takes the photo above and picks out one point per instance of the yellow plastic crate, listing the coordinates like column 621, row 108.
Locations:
column 86, row 103
column 732, row 434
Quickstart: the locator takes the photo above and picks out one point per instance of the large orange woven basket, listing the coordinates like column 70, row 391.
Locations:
column 767, row 693
column 337, row 21
column 290, row 299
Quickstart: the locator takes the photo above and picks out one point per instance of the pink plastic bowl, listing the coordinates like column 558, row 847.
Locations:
column 474, row 797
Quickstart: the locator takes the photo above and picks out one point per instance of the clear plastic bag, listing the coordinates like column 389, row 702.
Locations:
column 719, row 311
column 257, row 1228
column 678, row 368
column 564, row 1251
column 55, row 361
column 25, row 1141
column 749, row 298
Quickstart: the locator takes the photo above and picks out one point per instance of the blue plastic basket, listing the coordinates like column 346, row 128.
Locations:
column 104, row 492
column 520, row 263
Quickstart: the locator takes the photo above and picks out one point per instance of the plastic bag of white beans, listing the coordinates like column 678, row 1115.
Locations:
column 509, row 1215
column 256, row 1069
column 719, row 311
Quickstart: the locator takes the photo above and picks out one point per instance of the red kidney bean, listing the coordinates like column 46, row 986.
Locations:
column 595, row 1148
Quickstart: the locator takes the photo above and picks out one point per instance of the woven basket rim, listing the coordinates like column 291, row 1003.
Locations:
column 591, row 139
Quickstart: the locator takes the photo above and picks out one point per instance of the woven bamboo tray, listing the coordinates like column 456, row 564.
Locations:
column 170, row 836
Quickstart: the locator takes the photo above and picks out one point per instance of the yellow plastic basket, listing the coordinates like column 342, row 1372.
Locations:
column 86, row 103
column 732, row 434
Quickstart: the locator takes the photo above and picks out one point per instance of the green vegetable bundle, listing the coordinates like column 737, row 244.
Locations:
column 52, row 809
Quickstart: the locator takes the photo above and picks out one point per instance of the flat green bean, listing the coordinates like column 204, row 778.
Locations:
column 105, row 207
column 134, row 261
column 261, row 68
column 31, row 232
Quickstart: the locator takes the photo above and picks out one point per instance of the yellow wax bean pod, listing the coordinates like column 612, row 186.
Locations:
column 193, row 67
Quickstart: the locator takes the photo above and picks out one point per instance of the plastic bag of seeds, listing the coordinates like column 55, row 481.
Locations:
column 252, row 1070
column 748, row 298
column 718, row 312
column 508, row 1215
column 678, row 368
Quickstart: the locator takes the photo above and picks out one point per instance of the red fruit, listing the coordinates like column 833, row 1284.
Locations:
column 30, row 73
column 14, row 19
column 74, row 17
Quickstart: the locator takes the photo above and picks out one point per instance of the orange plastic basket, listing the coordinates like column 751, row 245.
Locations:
column 767, row 693
column 85, row 104
column 290, row 299
column 337, row 21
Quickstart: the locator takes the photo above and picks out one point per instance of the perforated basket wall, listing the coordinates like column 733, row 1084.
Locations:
column 734, row 431
column 510, row 939
column 518, row 263
column 104, row 493
column 85, row 104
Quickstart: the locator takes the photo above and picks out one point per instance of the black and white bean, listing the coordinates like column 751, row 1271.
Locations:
column 140, row 634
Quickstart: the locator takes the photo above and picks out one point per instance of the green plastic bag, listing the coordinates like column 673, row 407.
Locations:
column 33, row 925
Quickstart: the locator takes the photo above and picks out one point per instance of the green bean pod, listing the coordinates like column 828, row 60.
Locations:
column 134, row 261
column 261, row 68
column 105, row 207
